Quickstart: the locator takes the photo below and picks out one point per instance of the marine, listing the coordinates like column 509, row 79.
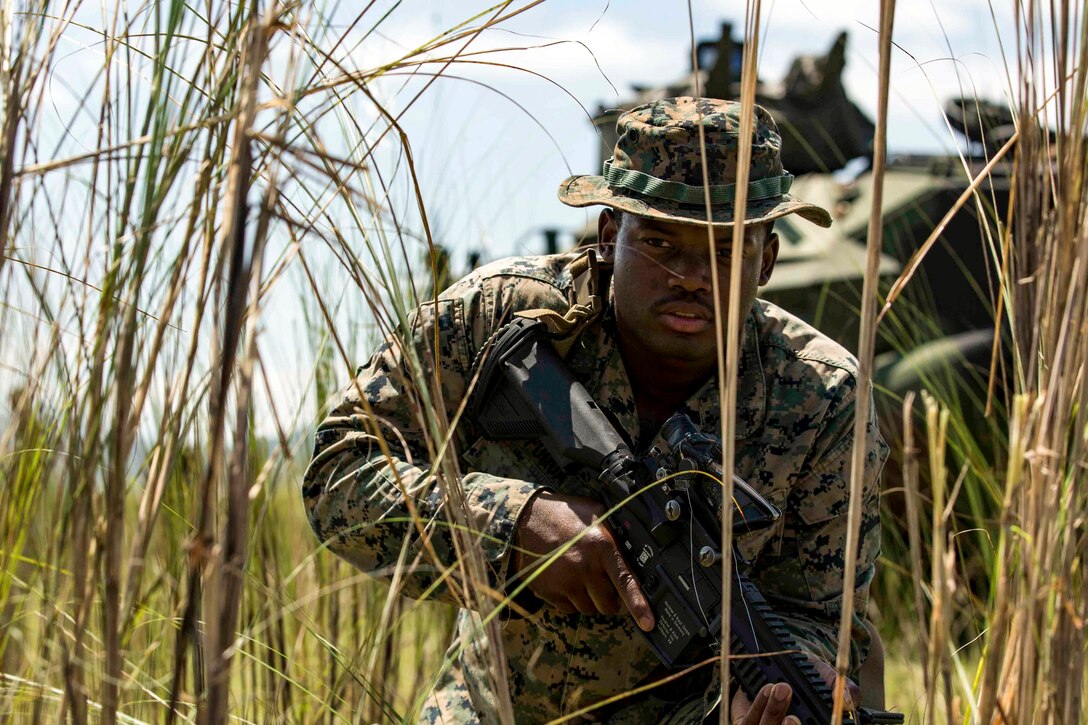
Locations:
column 644, row 343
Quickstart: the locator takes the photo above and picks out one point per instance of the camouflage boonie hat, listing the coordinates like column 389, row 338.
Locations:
column 656, row 167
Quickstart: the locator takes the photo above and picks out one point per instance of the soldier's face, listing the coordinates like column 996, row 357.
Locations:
column 663, row 285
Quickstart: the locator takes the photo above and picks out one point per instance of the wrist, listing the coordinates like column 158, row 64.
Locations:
column 519, row 556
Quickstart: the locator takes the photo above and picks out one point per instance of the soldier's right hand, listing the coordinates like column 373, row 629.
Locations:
column 591, row 576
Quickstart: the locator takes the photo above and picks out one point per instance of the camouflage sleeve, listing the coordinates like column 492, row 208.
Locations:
column 372, row 491
column 804, row 580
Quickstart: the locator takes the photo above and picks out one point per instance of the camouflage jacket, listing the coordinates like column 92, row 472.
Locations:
column 794, row 421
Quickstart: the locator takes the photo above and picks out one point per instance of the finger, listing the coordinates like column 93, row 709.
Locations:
column 627, row 587
column 604, row 595
column 583, row 602
column 826, row 671
column 778, row 704
column 563, row 604
column 852, row 692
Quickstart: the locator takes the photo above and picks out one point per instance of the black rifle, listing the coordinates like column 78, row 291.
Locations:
column 668, row 527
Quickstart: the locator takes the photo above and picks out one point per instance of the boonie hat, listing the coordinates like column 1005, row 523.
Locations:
column 656, row 168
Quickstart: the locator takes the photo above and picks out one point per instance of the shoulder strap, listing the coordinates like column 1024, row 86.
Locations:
column 590, row 278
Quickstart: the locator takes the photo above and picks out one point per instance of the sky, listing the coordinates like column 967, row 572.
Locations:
column 493, row 138
column 492, row 144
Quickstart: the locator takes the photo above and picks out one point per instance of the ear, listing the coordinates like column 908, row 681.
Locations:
column 770, row 256
column 606, row 235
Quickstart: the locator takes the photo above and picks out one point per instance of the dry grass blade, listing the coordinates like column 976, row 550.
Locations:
column 866, row 346
column 243, row 285
column 940, row 620
column 914, row 505
column 916, row 259
column 729, row 347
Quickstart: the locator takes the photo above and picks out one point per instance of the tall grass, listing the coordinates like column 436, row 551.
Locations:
column 1034, row 664
column 227, row 192
column 155, row 562
column 1031, row 664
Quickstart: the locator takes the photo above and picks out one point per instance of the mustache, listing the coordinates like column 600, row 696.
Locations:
column 686, row 298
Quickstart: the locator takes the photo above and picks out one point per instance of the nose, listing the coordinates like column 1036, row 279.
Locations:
column 690, row 271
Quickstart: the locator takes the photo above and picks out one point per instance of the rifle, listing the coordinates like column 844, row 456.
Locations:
column 666, row 525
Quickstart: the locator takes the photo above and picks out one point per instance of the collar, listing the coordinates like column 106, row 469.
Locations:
column 598, row 363
column 751, row 390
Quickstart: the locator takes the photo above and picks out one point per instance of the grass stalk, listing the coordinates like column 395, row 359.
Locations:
column 866, row 345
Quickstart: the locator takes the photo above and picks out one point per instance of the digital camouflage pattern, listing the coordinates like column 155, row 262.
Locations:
column 656, row 170
column 794, row 436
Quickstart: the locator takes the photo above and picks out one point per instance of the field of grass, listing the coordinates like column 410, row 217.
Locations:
column 224, row 173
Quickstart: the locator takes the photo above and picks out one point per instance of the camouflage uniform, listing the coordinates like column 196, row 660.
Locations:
column 794, row 423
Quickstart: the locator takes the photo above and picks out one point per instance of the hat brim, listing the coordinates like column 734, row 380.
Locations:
column 590, row 190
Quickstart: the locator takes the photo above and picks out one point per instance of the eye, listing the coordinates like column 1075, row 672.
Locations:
column 656, row 243
column 724, row 252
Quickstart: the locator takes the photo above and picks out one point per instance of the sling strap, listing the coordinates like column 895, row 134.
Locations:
column 590, row 278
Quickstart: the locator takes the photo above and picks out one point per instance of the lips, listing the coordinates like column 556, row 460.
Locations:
column 687, row 318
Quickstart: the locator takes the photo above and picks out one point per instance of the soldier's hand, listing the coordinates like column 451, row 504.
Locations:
column 769, row 708
column 773, row 701
column 590, row 576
